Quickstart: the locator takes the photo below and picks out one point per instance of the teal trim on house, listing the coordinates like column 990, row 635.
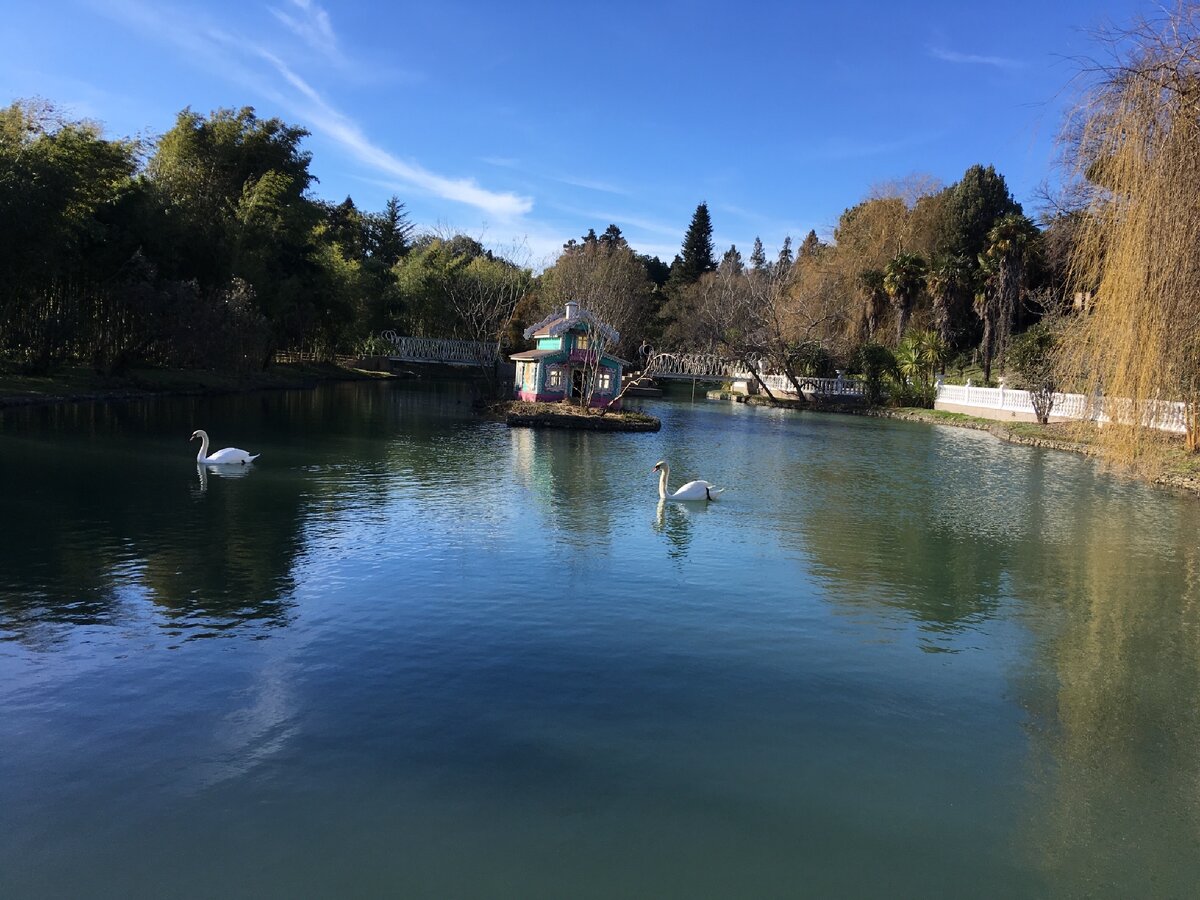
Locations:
column 554, row 369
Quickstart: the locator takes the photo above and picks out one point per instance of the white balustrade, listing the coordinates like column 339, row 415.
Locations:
column 1162, row 415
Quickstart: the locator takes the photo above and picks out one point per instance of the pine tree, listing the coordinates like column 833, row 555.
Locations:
column 758, row 257
column 390, row 231
column 785, row 256
column 732, row 261
column 612, row 237
column 811, row 245
column 697, row 257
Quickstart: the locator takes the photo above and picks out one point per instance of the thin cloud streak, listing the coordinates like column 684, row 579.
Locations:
column 972, row 59
column 312, row 26
column 227, row 55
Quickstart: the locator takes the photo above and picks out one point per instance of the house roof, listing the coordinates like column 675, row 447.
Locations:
column 556, row 323
column 533, row 355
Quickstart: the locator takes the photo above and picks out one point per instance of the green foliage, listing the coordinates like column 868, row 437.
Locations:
column 973, row 206
column 697, row 256
column 903, row 279
column 1035, row 356
column 758, row 256
column 877, row 365
column 812, row 359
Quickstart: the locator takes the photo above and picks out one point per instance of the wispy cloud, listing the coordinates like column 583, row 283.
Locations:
column 838, row 147
column 974, row 59
column 241, row 60
column 312, row 25
column 589, row 184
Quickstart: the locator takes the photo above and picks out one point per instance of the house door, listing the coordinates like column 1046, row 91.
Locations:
column 577, row 384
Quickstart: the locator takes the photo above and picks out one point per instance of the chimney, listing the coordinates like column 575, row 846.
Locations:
column 572, row 309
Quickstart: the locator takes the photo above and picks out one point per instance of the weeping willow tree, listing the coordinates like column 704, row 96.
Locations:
column 1136, row 149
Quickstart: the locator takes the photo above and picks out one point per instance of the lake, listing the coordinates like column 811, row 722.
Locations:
column 414, row 653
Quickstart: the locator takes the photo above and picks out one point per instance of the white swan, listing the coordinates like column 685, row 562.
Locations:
column 228, row 456
column 693, row 490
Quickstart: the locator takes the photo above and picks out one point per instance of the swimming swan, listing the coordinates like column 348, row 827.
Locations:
column 693, row 490
column 230, row 455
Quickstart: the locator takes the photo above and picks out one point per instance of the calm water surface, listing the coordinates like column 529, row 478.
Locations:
column 411, row 653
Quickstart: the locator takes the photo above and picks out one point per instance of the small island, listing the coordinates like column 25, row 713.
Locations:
column 530, row 414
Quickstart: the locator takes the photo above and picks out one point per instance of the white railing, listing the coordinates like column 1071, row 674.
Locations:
column 1162, row 415
column 440, row 350
column 822, row 387
column 698, row 366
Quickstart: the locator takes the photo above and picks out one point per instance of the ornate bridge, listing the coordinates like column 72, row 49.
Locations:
column 698, row 367
column 679, row 366
column 439, row 350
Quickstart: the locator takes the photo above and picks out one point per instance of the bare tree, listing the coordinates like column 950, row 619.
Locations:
column 482, row 292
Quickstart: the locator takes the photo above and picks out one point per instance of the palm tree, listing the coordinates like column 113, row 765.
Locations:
column 947, row 284
column 933, row 352
column 874, row 300
column 903, row 278
column 1011, row 244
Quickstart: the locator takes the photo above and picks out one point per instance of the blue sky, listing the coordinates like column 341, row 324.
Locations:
column 532, row 122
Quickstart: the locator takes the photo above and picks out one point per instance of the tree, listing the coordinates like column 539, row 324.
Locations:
column 70, row 217
column 607, row 279
column 678, row 311
column 873, row 297
column 973, row 207
column 903, row 278
column 758, row 257
column 388, row 233
column 697, row 256
column 1134, row 147
column 785, row 260
column 1035, row 358
column 732, row 260
column 949, row 286
column 811, row 245
column 1011, row 243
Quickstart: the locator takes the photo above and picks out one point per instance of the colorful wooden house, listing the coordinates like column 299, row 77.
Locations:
column 566, row 356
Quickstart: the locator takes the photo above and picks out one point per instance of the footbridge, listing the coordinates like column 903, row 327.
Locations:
column 443, row 351
column 694, row 367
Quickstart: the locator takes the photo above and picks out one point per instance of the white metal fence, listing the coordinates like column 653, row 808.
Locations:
column 1163, row 415
column 415, row 349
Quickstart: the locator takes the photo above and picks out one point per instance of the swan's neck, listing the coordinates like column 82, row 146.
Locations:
column 203, row 454
column 662, row 483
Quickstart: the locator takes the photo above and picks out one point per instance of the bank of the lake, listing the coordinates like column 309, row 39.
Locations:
column 1181, row 471
column 81, row 384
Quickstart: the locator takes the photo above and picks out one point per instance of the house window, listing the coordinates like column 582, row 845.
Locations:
column 520, row 375
column 604, row 381
column 554, row 379
column 581, row 342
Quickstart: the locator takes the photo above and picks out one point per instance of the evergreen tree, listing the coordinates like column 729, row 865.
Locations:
column 785, row 256
column 697, row 255
column 811, row 245
column 758, row 257
column 389, row 233
column 612, row 238
column 975, row 204
column 731, row 262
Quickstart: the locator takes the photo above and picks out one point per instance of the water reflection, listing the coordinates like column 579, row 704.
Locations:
column 203, row 471
column 1116, row 723
column 674, row 522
